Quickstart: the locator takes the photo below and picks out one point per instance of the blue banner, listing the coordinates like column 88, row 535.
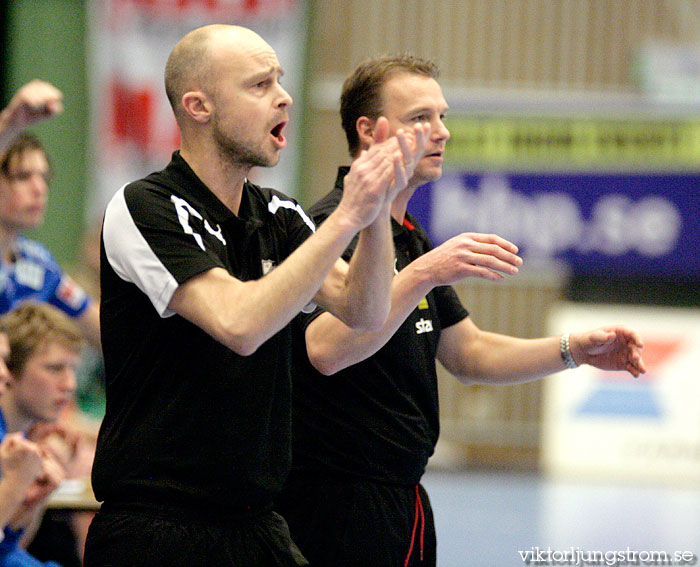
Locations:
column 622, row 224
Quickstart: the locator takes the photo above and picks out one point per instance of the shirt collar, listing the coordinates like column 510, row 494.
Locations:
column 194, row 188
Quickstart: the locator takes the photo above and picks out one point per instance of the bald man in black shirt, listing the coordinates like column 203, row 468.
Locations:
column 201, row 273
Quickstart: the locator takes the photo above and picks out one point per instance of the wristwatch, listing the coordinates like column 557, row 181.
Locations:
column 565, row 350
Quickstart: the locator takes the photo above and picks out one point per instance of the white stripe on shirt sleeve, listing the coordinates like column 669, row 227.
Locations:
column 277, row 203
column 132, row 258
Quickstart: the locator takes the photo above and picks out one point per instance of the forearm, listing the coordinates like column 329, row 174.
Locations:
column 286, row 290
column 7, row 132
column 500, row 359
column 243, row 315
column 26, row 517
column 333, row 346
column 11, row 497
column 31, row 522
column 89, row 323
column 364, row 301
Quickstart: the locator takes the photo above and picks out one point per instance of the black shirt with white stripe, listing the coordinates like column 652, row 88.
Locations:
column 189, row 423
column 377, row 419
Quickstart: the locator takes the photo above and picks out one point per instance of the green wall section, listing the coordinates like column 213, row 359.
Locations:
column 46, row 39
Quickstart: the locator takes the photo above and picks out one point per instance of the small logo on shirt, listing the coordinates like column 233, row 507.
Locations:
column 424, row 326
column 70, row 293
column 29, row 274
column 267, row 266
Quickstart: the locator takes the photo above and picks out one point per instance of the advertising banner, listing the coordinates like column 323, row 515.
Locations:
column 568, row 143
column 607, row 196
column 641, row 224
column 604, row 425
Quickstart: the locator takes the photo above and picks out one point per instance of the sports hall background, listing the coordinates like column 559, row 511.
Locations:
column 523, row 79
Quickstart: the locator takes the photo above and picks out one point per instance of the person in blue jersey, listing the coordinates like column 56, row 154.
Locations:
column 35, row 452
column 28, row 271
column 365, row 402
column 201, row 273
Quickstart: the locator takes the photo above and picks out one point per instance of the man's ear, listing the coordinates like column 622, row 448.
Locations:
column 365, row 131
column 197, row 106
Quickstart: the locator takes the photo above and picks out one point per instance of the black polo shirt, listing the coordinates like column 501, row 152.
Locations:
column 190, row 424
column 377, row 419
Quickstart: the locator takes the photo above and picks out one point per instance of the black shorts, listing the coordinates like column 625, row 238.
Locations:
column 347, row 522
column 125, row 538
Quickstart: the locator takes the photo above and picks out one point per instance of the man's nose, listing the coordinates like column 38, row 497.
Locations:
column 286, row 99
column 39, row 183
column 439, row 131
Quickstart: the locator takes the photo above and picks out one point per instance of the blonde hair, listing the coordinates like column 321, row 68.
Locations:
column 30, row 326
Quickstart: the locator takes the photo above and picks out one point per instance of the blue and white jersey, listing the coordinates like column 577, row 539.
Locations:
column 36, row 276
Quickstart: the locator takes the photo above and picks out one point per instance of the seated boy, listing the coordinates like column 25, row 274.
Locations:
column 44, row 349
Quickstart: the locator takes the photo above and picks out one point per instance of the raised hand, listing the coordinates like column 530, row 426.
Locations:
column 412, row 143
column 470, row 254
column 609, row 348
column 380, row 172
column 35, row 101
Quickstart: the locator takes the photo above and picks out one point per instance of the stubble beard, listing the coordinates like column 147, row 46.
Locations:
column 421, row 176
column 233, row 152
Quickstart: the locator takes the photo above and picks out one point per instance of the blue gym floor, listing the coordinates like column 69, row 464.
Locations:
column 485, row 519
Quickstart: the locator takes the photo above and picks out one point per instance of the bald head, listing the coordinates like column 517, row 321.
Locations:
column 192, row 62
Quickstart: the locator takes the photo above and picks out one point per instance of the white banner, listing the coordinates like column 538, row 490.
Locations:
column 134, row 130
column 608, row 425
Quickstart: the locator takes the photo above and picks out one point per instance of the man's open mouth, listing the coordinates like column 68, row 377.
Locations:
column 276, row 133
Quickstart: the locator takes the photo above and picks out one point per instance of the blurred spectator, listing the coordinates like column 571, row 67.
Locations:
column 28, row 270
column 20, row 460
column 44, row 349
